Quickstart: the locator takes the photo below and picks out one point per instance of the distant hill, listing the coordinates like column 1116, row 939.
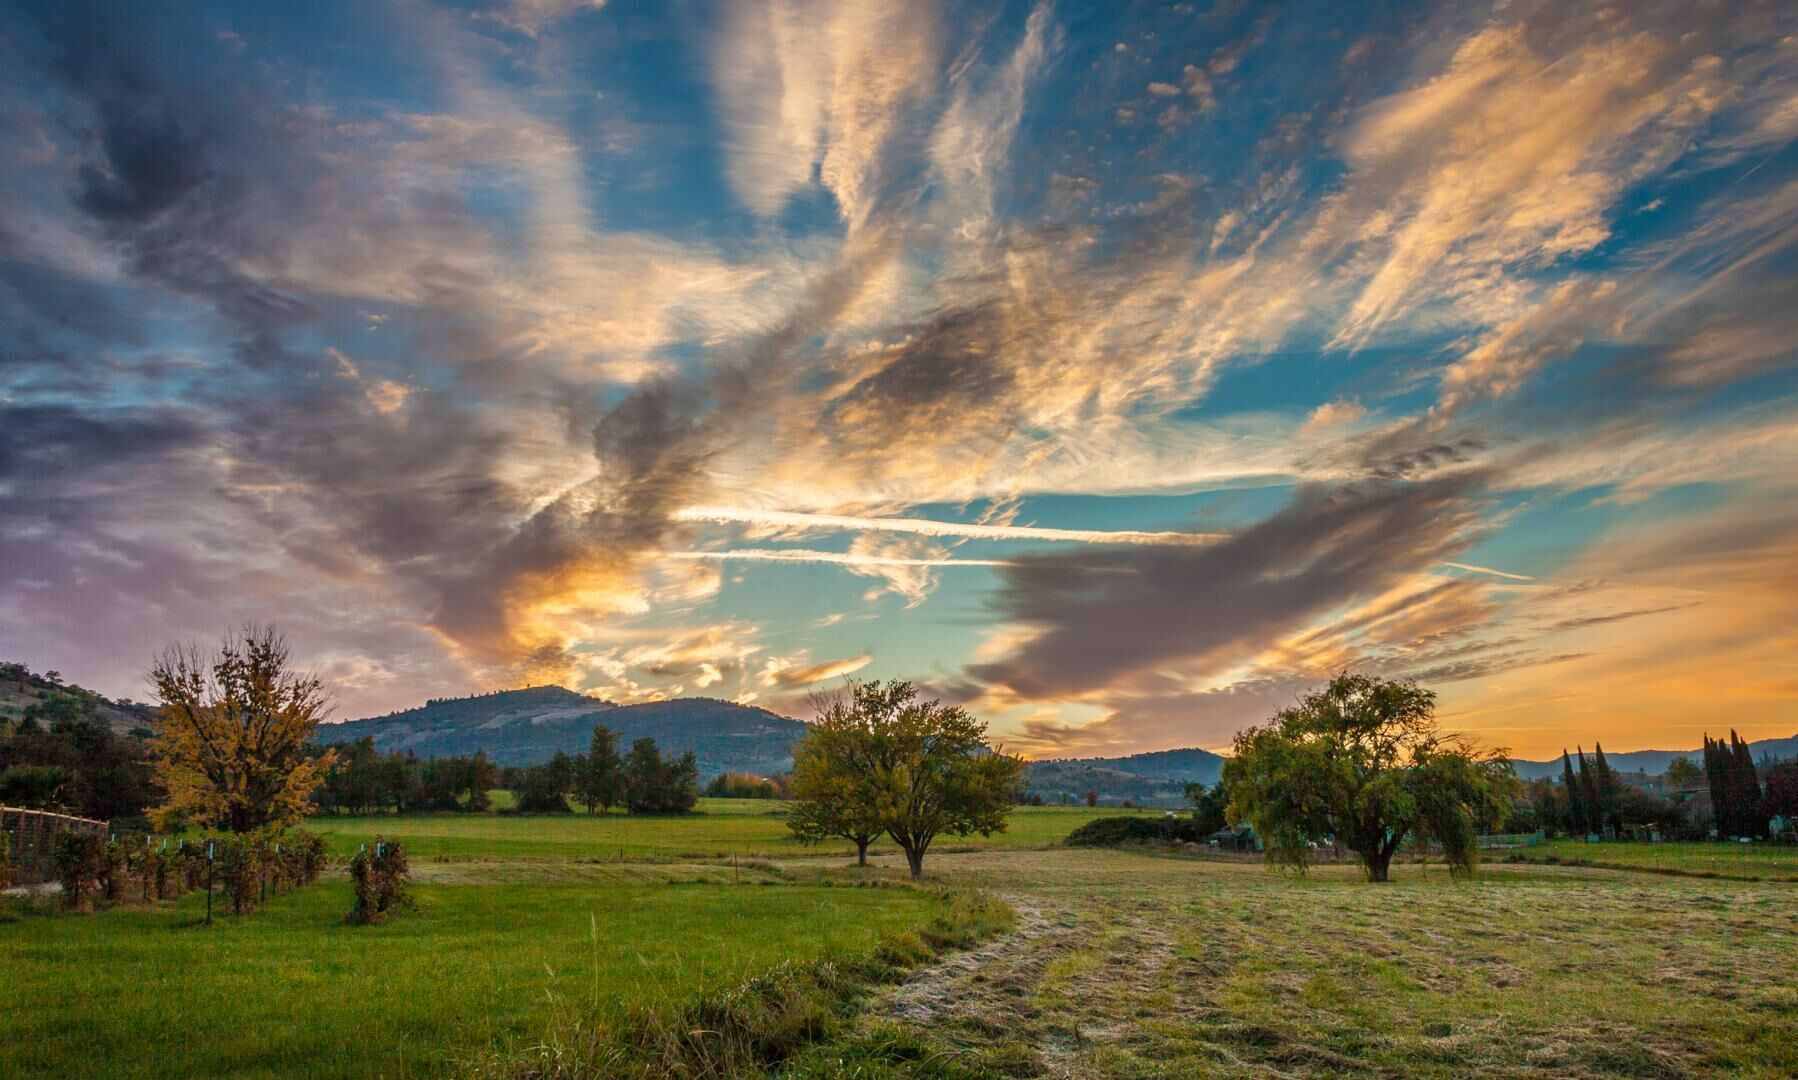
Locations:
column 1158, row 778
column 22, row 692
column 1654, row 762
column 526, row 727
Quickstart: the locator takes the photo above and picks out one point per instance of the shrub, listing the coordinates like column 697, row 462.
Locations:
column 79, row 856
column 238, row 861
column 114, row 870
column 1117, row 831
column 379, row 875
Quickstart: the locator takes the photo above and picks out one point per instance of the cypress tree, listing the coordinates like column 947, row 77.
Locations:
column 1576, row 811
column 1589, row 794
column 1609, row 795
column 1716, row 774
column 1745, row 788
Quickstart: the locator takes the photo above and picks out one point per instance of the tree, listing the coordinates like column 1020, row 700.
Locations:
column 232, row 733
column 599, row 773
column 1681, row 774
column 543, row 789
column 1782, row 790
column 1210, row 807
column 1576, row 807
column 833, row 770
column 918, row 769
column 654, row 784
column 1361, row 761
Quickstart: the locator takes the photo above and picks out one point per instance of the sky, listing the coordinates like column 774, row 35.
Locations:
column 1119, row 371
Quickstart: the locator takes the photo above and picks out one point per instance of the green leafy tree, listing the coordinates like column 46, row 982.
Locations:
column 925, row 768
column 1210, row 807
column 1681, row 774
column 654, row 784
column 599, row 773
column 834, row 767
column 1362, row 761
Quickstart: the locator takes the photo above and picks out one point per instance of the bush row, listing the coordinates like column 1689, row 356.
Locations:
column 96, row 869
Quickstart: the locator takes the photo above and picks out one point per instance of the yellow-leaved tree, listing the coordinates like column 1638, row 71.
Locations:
column 233, row 734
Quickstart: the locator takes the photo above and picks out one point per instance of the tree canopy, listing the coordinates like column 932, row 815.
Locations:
column 231, row 736
column 1361, row 762
column 883, row 759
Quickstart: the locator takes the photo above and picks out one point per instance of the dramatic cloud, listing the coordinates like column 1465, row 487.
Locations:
column 1119, row 372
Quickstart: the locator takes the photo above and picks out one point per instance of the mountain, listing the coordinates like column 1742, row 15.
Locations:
column 1654, row 762
column 1158, row 778
column 525, row 727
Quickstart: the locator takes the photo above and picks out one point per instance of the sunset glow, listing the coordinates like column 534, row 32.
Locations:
column 1118, row 371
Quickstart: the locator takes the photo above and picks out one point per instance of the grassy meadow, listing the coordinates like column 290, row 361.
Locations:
column 532, row 932
column 1767, row 862
column 292, row 992
column 722, row 828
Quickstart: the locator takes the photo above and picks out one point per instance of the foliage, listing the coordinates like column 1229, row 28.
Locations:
column 741, row 786
column 378, row 874
column 1782, row 790
column 1682, row 773
column 1735, row 787
column 1123, row 831
column 835, row 787
column 1361, row 762
column 599, row 773
column 40, row 787
column 915, row 769
column 654, row 784
column 1210, row 807
column 79, row 858
column 543, row 789
column 232, row 735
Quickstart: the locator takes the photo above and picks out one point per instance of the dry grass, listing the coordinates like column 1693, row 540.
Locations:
column 1134, row 966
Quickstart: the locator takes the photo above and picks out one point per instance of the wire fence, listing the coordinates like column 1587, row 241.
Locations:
column 31, row 837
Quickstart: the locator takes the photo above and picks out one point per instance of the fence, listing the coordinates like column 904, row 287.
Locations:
column 1505, row 840
column 31, row 836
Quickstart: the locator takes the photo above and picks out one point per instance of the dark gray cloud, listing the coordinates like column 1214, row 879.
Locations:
column 1101, row 616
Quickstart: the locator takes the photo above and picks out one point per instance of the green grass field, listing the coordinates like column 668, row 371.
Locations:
column 1137, row 965
column 722, row 828
column 293, row 992
column 1759, row 861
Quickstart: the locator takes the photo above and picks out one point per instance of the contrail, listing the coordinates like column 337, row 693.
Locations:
column 838, row 558
column 929, row 527
column 1488, row 570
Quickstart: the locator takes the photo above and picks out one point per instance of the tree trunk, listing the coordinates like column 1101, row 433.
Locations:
column 1377, row 864
column 861, row 851
column 914, row 858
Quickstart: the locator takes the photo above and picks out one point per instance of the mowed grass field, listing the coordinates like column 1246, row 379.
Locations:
column 293, row 992
column 722, row 828
column 1147, row 967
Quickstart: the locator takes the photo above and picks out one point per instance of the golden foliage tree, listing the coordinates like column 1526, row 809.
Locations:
column 232, row 734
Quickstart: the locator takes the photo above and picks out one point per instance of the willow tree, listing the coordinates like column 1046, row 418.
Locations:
column 1361, row 762
column 232, row 733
